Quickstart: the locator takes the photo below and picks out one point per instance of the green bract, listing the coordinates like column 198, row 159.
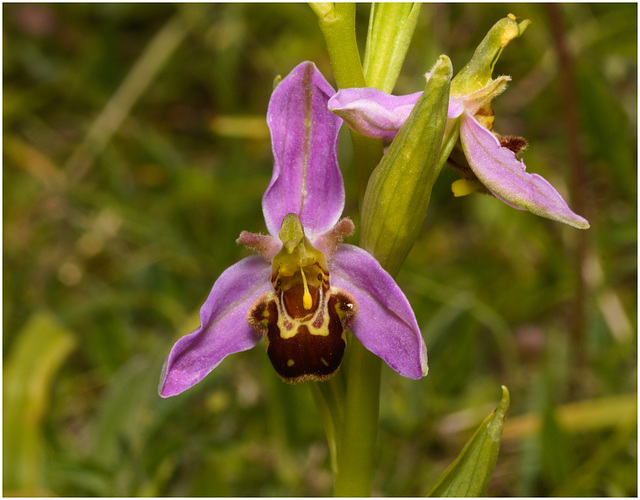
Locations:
column 470, row 472
column 391, row 27
column 398, row 192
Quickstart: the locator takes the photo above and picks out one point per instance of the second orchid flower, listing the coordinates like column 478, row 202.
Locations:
column 489, row 161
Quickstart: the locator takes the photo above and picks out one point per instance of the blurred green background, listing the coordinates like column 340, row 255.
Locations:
column 135, row 151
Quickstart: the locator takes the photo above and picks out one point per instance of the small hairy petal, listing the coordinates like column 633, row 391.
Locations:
column 223, row 329
column 506, row 177
column 306, row 177
column 385, row 323
column 265, row 245
column 329, row 241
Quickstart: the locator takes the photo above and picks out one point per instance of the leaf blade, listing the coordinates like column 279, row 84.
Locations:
column 39, row 351
column 470, row 472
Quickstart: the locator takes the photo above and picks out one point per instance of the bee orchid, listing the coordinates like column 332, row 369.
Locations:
column 305, row 288
column 488, row 161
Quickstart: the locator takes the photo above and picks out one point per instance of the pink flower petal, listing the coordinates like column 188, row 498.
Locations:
column 506, row 176
column 375, row 113
column 306, row 177
column 223, row 329
column 385, row 323
column 372, row 112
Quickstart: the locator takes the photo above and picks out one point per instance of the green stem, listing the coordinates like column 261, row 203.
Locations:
column 329, row 398
column 337, row 23
column 360, row 427
column 353, row 421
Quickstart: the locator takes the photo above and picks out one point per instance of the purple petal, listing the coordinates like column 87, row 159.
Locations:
column 506, row 177
column 306, row 177
column 372, row 112
column 223, row 330
column 375, row 113
column 385, row 323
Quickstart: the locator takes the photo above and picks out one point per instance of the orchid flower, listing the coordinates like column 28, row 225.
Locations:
column 492, row 163
column 305, row 287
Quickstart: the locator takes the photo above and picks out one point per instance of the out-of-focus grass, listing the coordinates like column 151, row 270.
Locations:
column 134, row 154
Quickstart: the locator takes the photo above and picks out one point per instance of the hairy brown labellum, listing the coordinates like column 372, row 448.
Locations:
column 304, row 320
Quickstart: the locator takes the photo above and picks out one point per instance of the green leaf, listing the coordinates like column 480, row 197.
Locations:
column 469, row 474
column 37, row 354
